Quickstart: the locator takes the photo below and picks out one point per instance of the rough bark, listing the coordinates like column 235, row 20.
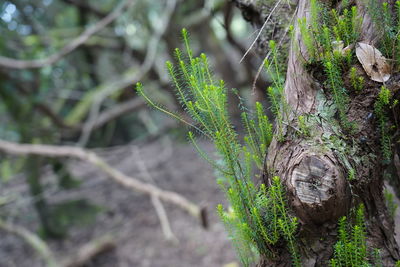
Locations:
column 314, row 170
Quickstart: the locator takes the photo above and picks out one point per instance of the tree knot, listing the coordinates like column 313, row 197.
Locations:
column 319, row 188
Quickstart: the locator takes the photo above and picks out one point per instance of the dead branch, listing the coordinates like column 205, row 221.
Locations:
column 33, row 240
column 260, row 31
column 103, row 118
column 116, row 175
column 68, row 48
column 117, row 111
column 90, row 251
column 84, row 254
column 128, row 77
column 158, row 206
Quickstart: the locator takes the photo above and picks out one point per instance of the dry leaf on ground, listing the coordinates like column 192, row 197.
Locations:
column 373, row 62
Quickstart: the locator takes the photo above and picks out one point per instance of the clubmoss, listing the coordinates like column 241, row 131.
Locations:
column 258, row 217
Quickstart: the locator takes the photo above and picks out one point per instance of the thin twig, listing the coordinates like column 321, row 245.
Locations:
column 259, row 33
column 162, row 216
column 33, row 240
column 130, row 77
column 116, row 175
column 158, row 206
column 90, row 251
column 117, row 111
column 68, row 48
column 269, row 53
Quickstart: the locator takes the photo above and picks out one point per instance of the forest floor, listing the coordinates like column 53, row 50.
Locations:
column 129, row 216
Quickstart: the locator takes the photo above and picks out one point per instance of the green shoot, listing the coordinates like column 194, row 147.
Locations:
column 258, row 217
column 390, row 204
column 351, row 249
column 381, row 105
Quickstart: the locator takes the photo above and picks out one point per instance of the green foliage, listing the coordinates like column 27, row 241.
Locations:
column 276, row 92
column 66, row 180
column 389, row 25
column 270, row 222
column 357, row 82
column 325, row 36
column 376, row 255
column 259, row 134
column 381, row 106
column 390, row 204
column 347, row 26
column 326, row 29
column 64, row 215
column 304, row 126
column 339, row 92
column 351, row 249
column 351, row 175
column 258, row 217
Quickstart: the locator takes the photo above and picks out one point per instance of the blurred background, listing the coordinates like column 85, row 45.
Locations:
column 102, row 179
column 67, row 71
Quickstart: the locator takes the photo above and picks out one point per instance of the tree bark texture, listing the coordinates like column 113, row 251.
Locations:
column 314, row 169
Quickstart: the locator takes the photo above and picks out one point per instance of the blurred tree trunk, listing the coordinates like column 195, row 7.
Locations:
column 22, row 114
column 318, row 190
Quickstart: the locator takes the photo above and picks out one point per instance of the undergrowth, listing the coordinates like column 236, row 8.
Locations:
column 382, row 105
column 388, row 24
column 276, row 92
column 386, row 18
column 258, row 217
column 390, row 203
column 330, row 37
column 351, row 248
column 325, row 36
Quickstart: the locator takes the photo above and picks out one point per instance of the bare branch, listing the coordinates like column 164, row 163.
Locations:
column 91, row 250
column 103, row 118
column 117, row 111
column 260, row 31
column 158, row 206
column 116, row 175
column 128, row 77
column 162, row 216
column 33, row 240
column 68, row 48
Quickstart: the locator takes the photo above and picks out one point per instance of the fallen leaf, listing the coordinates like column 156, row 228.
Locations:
column 373, row 62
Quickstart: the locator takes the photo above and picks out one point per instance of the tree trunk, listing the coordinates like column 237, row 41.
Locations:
column 313, row 169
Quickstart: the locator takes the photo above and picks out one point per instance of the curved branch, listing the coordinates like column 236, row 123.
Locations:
column 33, row 240
column 68, row 48
column 133, row 74
column 116, row 175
